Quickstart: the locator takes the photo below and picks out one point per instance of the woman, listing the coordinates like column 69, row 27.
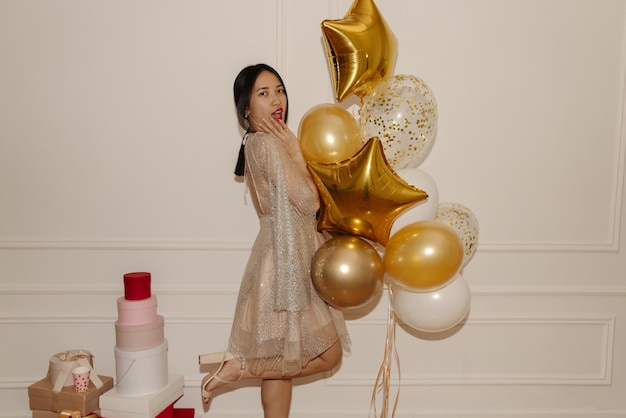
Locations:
column 281, row 327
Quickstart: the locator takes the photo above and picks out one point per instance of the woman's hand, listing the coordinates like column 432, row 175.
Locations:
column 279, row 129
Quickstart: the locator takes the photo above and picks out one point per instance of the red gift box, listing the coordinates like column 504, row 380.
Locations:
column 137, row 285
column 184, row 412
column 167, row 412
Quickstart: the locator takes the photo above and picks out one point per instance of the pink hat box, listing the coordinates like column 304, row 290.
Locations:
column 136, row 312
column 141, row 372
column 137, row 285
column 140, row 337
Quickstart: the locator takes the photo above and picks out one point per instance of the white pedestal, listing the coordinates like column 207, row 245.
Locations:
column 116, row 405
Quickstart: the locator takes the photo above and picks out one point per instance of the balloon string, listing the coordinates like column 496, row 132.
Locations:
column 383, row 379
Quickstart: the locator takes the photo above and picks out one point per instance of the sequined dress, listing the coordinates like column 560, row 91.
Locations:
column 280, row 322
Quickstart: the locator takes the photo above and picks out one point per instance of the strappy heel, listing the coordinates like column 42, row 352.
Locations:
column 215, row 358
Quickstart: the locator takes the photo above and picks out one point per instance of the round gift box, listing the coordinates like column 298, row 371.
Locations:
column 136, row 312
column 137, row 285
column 140, row 337
column 56, row 364
column 141, row 372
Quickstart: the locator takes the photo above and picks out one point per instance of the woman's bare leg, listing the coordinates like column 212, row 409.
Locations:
column 276, row 397
column 326, row 361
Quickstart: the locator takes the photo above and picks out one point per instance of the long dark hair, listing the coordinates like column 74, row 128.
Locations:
column 242, row 91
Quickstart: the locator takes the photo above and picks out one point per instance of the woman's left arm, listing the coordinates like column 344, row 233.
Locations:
column 282, row 132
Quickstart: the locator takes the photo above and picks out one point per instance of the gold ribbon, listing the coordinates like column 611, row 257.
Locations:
column 383, row 380
column 73, row 355
column 70, row 413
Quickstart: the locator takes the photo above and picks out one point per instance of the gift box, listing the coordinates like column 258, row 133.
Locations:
column 137, row 285
column 42, row 397
column 114, row 404
column 61, row 365
column 168, row 412
column 184, row 412
column 140, row 337
column 136, row 312
column 141, row 372
column 69, row 413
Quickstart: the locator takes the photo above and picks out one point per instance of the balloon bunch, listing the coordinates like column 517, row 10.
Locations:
column 382, row 211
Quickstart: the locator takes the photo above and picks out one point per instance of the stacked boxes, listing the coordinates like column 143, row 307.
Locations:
column 143, row 386
column 55, row 393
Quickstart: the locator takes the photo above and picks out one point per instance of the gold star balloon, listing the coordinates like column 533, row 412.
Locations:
column 362, row 195
column 361, row 49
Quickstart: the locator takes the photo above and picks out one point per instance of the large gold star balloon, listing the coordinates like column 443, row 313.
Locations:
column 362, row 195
column 361, row 49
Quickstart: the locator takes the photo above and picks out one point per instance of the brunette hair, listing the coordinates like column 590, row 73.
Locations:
column 242, row 90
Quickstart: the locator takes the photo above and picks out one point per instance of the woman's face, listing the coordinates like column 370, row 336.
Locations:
column 267, row 100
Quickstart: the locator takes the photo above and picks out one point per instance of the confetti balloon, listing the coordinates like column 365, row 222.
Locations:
column 464, row 222
column 402, row 112
column 347, row 272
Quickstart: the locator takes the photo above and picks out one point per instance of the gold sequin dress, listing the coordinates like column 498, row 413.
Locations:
column 280, row 322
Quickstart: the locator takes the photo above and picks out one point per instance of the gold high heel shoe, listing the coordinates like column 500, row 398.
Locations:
column 214, row 358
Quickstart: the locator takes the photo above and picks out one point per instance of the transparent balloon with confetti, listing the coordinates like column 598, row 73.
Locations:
column 402, row 112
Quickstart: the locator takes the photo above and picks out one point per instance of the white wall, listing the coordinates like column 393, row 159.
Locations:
column 118, row 139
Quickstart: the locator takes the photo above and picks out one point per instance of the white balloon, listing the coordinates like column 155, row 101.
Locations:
column 433, row 311
column 423, row 211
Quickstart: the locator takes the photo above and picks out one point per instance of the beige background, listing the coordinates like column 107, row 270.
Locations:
column 118, row 138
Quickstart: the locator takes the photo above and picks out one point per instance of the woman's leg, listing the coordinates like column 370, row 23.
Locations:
column 276, row 397
column 232, row 371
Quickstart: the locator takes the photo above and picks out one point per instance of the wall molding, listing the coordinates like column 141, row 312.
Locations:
column 602, row 378
column 67, row 244
column 232, row 290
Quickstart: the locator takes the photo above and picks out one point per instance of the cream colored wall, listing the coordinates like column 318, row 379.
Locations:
column 117, row 143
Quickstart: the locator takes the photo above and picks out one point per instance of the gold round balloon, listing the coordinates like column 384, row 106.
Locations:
column 328, row 133
column 423, row 256
column 347, row 272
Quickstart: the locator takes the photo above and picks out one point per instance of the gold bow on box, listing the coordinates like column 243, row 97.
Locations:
column 68, row 358
column 70, row 413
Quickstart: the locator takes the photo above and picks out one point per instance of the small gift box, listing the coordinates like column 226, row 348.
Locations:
column 61, row 365
column 66, row 413
column 42, row 397
column 137, row 285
